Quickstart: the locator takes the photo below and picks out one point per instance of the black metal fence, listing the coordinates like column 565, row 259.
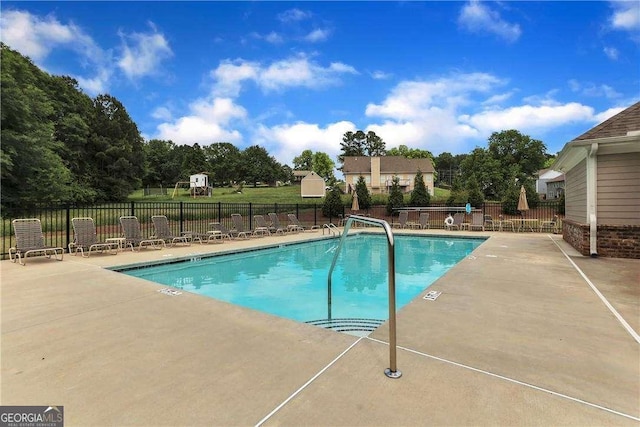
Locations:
column 196, row 216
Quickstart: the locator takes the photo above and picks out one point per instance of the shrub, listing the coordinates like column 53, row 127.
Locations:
column 420, row 195
column 332, row 206
column 364, row 198
column 396, row 199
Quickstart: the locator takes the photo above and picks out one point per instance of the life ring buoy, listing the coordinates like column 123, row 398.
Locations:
column 448, row 220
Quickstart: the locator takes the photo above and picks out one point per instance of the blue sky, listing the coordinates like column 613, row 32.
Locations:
column 291, row 76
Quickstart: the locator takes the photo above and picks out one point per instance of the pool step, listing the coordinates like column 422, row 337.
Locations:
column 348, row 324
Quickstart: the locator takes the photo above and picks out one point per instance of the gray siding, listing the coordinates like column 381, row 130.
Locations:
column 576, row 193
column 619, row 189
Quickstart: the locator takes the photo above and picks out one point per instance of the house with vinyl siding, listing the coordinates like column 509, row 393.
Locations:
column 602, row 187
column 378, row 173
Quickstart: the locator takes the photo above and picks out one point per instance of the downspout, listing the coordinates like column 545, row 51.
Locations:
column 592, row 199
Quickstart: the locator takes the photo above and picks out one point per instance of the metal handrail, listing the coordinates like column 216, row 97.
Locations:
column 391, row 371
column 331, row 228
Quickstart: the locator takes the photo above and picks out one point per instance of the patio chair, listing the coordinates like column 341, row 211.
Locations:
column 162, row 231
column 549, row 225
column 294, row 223
column 261, row 226
column 505, row 223
column 30, row 241
column 403, row 216
column 238, row 226
column 489, row 222
column 85, row 237
column 275, row 223
column 477, row 221
column 131, row 231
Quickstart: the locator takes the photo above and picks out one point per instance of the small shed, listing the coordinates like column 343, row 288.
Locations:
column 312, row 185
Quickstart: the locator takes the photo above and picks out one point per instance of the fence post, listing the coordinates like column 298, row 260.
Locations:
column 250, row 216
column 220, row 212
column 315, row 214
column 133, row 208
column 68, row 228
column 181, row 216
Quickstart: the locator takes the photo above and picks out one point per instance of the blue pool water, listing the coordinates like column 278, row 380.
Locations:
column 291, row 281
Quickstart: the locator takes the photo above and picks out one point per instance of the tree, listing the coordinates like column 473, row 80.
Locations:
column 332, row 206
column 258, row 166
column 446, row 166
column 483, row 170
column 510, row 149
column 364, row 197
column 396, row 198
column 475, row 196
column 304, row 161
column 159, row 169
column 353, row 144
column 374, row 145
column 410, row 153
column 323, row 165
column 32, row 169
column 224, row 161
column 420, row 195
column 117, row 146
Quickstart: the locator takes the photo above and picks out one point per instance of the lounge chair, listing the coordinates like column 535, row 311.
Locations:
column 458, row 219
column 85, row 237
column 238, row 226
column 477, row 221
column 217, row 228
column 423, row 221
column 131, row 231
column 261, row 226
column 162, row 231
column 403, row 216
column 294, row 223
column 275, row 223
column 30, row 241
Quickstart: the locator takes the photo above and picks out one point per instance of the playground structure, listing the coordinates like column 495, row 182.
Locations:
column 198, row 186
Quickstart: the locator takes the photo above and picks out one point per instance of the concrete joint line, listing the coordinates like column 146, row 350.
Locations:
column 511, row 380
column 288, row 399
column 624, row 323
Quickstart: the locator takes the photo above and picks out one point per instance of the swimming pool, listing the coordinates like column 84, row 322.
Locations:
column 291, row 280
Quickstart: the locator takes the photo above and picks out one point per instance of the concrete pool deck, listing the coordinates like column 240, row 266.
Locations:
column 517, row 337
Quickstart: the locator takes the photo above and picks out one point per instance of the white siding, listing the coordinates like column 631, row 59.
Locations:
column 619, row 189
column 576, row 193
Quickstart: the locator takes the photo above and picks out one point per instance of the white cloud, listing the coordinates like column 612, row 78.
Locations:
column 593, row 90
column 36, row 37
column 162, row 113
column 142, row 53
column 210, row 121
column 498, row 98
column 626, row 15
column 380, row 75
column 317, row 35
column 611, row 52
column 273, row 38
column 607, row 114
column 477, row 17
column 527, row 118
column 286, row 141
column 293, row 15
column 292, row 72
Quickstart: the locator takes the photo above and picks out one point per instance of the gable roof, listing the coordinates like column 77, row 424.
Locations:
column 388, row 164
column 619, row 125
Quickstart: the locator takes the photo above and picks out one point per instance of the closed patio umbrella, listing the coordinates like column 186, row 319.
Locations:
column 523, row 205
column 354, row 204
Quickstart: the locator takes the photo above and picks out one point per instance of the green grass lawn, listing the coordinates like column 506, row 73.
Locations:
column 289, row 194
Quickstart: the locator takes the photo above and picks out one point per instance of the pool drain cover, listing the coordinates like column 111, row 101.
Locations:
column 432, row 295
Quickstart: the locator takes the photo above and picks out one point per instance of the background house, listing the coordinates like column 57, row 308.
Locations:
column 378, row 172
column 555, row 187
column 602, row 187
column 544, row 176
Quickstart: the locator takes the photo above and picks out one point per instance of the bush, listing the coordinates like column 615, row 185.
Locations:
column 420, row 195
column 396, row 199
column 332, row 206
column 560, row 206
column 364, row 198
column 475, row 197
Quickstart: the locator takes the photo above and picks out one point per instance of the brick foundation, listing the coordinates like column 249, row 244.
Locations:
column 615, row 241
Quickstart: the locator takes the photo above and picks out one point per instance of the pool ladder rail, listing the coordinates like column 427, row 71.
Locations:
column 392, row 371
column 331, row 228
